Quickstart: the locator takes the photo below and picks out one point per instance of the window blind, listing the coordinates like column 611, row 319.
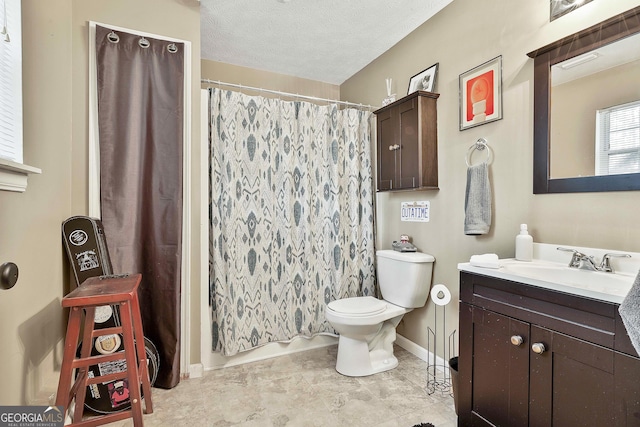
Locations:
column 11, row 81
column 618, row 139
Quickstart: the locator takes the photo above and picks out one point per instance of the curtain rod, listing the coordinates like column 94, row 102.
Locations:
column 292, row 95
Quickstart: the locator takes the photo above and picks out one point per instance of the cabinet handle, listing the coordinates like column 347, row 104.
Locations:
column 517, row 340
column 538, row 348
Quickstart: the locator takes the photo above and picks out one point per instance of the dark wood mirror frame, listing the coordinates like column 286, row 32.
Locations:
column 616, row 28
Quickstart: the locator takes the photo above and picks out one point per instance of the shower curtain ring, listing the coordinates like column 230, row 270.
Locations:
column 144, row 43
column 113, row 37
column 172, row 48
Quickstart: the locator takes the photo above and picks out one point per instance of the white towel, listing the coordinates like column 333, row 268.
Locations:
column 630, row 313
column 485, row 261
column 477, row 200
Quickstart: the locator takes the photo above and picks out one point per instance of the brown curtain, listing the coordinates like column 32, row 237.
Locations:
column 140, row 115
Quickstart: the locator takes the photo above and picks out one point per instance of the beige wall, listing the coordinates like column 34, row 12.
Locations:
column 465, row 34
column 55, row 54
column 30, row 313
column 227, row 73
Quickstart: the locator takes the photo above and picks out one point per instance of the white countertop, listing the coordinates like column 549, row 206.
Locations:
column 549, row 269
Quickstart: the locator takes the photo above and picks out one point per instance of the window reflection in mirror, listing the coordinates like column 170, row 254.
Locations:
column 585, row 91
column 618, row 139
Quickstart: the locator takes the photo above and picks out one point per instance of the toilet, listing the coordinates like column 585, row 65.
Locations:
column 367, row 325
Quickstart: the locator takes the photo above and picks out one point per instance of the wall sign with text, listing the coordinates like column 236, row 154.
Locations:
column 414, row 211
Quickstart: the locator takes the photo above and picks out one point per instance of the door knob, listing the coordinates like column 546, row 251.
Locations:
column 8, row 275
column 538, row 348
column 517, row 340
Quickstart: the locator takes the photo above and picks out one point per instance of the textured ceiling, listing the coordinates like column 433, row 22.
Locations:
column 323, row 40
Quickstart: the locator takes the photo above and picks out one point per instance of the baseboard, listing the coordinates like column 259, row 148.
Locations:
column 268, row 351
column 217, row 361
column 422, row 353
column 196, row 370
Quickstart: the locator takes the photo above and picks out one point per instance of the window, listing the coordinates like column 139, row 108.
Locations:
column 13, row 173
column 11, row 81
column 618, row 139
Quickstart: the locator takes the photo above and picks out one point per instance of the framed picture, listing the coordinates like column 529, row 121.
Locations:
column 481, row 94
column 424, row 80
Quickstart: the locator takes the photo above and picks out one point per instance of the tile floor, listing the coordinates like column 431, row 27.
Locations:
column 302, row 389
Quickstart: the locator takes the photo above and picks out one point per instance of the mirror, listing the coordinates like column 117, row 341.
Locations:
column 566, row 155
column 602, row 88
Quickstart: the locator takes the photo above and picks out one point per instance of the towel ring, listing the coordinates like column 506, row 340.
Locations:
column 479, row 145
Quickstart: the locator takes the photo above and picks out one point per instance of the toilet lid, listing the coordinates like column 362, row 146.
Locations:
column 358, row 306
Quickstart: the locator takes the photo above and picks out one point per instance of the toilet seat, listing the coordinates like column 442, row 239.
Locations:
column 358, row 306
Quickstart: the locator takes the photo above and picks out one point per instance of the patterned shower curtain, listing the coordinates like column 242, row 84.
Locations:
column 291, row 217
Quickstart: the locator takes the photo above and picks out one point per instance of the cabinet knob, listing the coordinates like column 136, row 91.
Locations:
column 517, row 340
column 538, row 348
column 391, row 148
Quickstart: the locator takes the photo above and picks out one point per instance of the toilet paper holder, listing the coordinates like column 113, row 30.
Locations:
column 438, row 373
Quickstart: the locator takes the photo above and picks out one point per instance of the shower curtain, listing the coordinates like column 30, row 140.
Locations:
column 140, row 114
column 291, row 217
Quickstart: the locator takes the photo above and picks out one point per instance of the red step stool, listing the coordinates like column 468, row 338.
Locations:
column 95, row 292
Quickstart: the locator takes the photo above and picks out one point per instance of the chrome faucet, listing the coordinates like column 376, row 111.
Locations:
column 605, row 265
column 585, row 262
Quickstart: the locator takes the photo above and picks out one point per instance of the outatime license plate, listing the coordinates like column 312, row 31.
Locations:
column 414, row 211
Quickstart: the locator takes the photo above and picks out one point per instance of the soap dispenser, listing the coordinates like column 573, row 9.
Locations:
column 524, row 244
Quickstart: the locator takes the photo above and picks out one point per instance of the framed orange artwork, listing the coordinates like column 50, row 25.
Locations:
column 481, row 94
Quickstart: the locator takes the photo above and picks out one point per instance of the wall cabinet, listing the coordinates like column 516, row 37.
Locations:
column 407, row 143
column 536, row 357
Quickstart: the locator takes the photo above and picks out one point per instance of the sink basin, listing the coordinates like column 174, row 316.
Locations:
column 617, row 284
column 549, row 269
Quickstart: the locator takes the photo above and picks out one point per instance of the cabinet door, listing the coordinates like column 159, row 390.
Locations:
column 388, row 134
column 494, row 369
column 571, row 382
column 409, row 159
column 627, row 379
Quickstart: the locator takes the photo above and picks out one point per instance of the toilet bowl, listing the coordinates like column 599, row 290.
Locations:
column 367, row 325
column 359, row 330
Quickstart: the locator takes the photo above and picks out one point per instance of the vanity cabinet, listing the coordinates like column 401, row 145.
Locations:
column 537, row 357
column 407, row 143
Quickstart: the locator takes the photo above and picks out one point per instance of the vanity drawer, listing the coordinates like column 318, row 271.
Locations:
column 588, row 319
column 622, row 341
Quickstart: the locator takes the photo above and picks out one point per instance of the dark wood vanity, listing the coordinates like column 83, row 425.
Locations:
column 407, row 145
column 531, row 356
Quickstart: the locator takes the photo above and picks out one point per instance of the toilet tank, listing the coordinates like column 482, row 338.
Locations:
column 404, row 277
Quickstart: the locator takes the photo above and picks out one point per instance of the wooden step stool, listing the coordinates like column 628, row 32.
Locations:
column 94, row 292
